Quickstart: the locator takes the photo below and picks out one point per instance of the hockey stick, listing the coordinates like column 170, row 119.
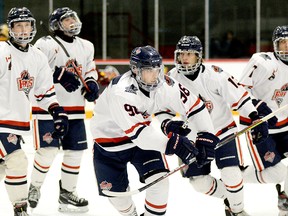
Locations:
column 222, row 143
column 67, row 54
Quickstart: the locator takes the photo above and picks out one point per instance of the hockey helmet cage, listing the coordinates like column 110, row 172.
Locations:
column 56, row 18
column 21, row 15
column 188, row 44
column 280, row 33
column 144, row 58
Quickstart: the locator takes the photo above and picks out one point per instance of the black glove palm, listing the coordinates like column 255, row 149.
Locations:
column 182, row 147
column 67, row 79
column 177, row 127
column 93, row 92
column 60, row 119
column 205, row 143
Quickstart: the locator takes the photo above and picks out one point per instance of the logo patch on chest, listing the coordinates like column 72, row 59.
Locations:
column 279, row 94
column 25, row 82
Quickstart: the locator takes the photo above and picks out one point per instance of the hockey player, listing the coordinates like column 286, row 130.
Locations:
column 265, row 76
column 122, row 131
column 65, row 25
column 221, row 94
column 25, row 74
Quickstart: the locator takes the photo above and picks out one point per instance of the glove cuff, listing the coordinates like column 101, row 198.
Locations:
column 164, row 125
column 90, row 79
column 257, row 103
column 58, row 73
column 254, row 116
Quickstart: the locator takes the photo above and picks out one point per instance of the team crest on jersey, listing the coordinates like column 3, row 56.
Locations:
column 208, row 104
column 269, row 156
column 279, row 94
column 12, row 138
column 104, row 185
column 131, row 89
column 216, row 68
column 47, row 138
column 25, row 82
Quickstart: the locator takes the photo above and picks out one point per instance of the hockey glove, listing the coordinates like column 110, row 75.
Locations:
column 60, row 119
column 93, row 92
column 260, row 132
column 67, row 79
column 264, row 110
column 181, row 146
column 205, row 143
column 177, row 127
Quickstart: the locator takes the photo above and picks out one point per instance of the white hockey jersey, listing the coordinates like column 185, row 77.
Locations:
column 221, row 94
column 24, row 77
column 267, row 78
column 83, row 52
column 122, row 114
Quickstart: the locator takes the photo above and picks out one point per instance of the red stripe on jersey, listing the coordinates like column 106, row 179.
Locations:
column 74, row 108
column 41, row 95
column 113, row 140
column 223, row 130
column 237, row 103
column 130, row 130
column 245, row 121
column 281, row 123
column 195, row 104
column 15, row 123
column 2, row 154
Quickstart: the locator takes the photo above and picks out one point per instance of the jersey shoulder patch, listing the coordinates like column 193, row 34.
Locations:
column 216, row 68
column 169, row 80
column 265, row 56
column 116, row 80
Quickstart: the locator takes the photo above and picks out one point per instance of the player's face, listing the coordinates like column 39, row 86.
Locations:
column 68, row 23
column 187, row 58
column 22, row 30
column 283, row 45
column 150, row 75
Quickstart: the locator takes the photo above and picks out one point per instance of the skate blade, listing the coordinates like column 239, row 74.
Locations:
column 72, row 209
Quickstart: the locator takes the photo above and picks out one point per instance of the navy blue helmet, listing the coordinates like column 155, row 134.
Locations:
column 279, row 33
column 145, row 59
column 58, row 15
column 21, row 15
column 188, row 44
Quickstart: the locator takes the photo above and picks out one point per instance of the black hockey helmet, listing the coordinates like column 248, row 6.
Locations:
column 146, row 58
column 279, row 33
column 188, row 44
column 56, row 18
column 21, row 15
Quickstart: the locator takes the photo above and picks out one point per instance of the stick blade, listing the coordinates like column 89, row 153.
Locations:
column 119, row 194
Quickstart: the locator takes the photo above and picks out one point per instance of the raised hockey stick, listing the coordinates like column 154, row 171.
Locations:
column 222, row 143
column 67, row 54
